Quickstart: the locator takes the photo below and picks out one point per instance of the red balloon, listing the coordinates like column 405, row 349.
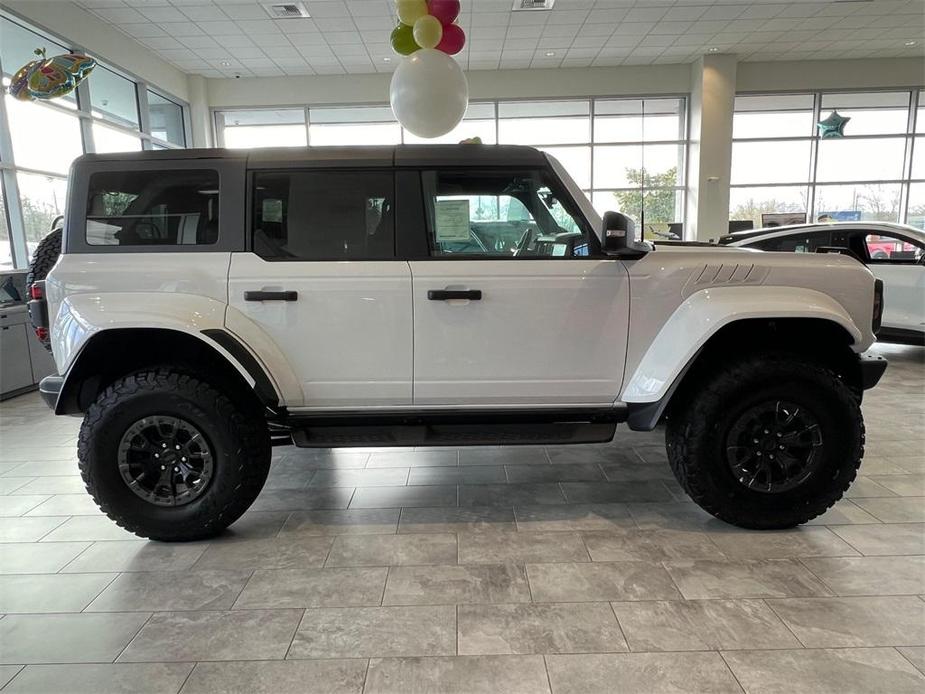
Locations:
column 454, row 38
column 445, row 10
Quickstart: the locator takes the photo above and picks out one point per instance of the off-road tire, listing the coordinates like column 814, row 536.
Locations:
column 236, row 431
column 43, row 260
column 699, row 422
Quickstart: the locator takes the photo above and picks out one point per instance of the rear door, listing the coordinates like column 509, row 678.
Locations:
column 321, row 280
column 511, row 306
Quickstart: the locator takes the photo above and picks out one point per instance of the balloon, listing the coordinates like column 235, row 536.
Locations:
column 429, row 93
column 402, row 40
column 428, row 31
column 445, row 10
column 410, row 11
column 454, row 38
column 49, row 78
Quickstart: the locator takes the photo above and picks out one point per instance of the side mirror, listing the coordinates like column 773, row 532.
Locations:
column 619, row 237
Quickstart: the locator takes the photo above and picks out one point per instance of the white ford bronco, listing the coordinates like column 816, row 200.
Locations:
column 208, row 304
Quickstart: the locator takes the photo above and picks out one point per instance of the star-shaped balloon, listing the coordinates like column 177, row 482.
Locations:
column 833, row 126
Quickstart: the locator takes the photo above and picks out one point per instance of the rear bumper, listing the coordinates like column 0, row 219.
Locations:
column 871, row 369
column 50, row 389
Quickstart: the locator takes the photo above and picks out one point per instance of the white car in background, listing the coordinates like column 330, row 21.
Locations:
column 895, row 253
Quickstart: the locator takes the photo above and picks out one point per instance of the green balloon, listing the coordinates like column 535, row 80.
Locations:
column 402, row 40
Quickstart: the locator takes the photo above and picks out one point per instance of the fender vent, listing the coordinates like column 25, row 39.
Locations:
column 725, row 274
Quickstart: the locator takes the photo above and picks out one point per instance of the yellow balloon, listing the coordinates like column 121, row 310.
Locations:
column 410, row 11
column 428, row 31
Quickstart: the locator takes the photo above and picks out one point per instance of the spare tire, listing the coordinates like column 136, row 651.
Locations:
column 43, row 260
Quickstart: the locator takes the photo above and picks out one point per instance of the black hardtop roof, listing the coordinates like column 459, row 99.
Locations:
column 397, row 155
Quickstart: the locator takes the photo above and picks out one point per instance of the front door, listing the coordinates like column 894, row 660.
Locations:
column 898, row 261
column 510, row 308
column 323, row 283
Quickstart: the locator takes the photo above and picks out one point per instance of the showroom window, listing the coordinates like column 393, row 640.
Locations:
column 783, row 172
column 110, row 112
column 627, row 154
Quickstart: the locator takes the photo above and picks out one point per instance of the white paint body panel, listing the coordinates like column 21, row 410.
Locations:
column 348, row 337
column 545, row 331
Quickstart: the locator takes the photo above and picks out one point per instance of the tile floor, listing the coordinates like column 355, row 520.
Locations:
column 481, row 570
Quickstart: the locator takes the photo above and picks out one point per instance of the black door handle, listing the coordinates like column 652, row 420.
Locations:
column 448, row 294
column 271, row 296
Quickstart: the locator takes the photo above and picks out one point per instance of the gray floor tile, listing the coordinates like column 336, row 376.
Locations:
column 871, row 575
column 458, row 675
column 526, row 474
column 278, row 677
column 520, row 547
column 885, row 538
column 376, row 632
column 430, row 585
column 864, row 487
column 650, row 545
column 615, row 492
column 124, row 678
column 38, row 557
column 855, row 621
column 67, row 638
column 350, row 522
column 702, row 625
column 842, row 671
column 67, row 505
column 512, row 455
column 19, row 505
column 191, row 636
column 268, row 553
column 34, row 593
column 322, row 458
column 165, row 591
column 8, row 672
column 132, row 555
column 396, row 497
column 85, row 528
column 673, row 516
column 510, row 494
column 744, row 578
column 782, row 544
column 574, row 517
column 303, row 499
column 467, row 474
column 641, row 673
column 915, row 655
column 254, row 525
column 392, row 550
column 47, row 468
column 451, row 520
column 284, row 588
column 903, row 485
column 9, row 485
column 66, row 484
column 600, row 581
column 407, row 458
column 576, row 455
column 636, row 472
column 907, row 509
column 843, row 513
column 525, row 629
column 384, row 477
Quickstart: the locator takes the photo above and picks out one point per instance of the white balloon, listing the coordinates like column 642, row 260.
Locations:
column 429, row 93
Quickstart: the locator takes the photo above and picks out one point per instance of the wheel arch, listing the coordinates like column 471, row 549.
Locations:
column 112, row 353
column 823, row 340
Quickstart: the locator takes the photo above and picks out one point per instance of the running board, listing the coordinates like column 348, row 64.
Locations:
column 457, row 428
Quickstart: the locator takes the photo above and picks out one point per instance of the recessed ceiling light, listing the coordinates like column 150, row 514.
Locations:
column 714, row 49
column 550, row 54
column 225, row 63
column 911, row 43
column 386, row 60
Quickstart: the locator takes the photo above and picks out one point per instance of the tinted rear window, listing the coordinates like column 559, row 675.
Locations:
column 159, row 208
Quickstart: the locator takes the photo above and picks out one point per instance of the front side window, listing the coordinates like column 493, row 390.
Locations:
column 160, row 208
column 502, row 214
column 798, row 243
column 308, row 215
column 893, row 250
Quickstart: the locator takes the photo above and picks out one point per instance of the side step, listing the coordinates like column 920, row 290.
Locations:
column 457, row 428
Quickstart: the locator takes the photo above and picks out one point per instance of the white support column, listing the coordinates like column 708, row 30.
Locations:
column 200, row 117
column 713, row 82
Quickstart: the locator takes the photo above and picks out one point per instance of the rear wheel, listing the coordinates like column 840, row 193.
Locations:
column 769, row 441
column 170, row 457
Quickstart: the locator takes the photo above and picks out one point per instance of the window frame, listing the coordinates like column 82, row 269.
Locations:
column 230, row 216
column 251, row 210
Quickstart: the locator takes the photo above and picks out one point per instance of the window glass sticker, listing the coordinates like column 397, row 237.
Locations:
column 451, row 220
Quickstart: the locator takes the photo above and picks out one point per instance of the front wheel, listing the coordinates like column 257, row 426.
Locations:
column 169, row 457
column 769, row 441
